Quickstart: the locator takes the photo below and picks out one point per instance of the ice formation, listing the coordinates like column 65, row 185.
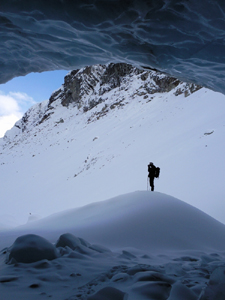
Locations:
column 85, row 271
column 31, row 248
column 182, row 38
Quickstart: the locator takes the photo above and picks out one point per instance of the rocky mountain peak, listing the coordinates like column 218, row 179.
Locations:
column 81, row 85
column 103, row 87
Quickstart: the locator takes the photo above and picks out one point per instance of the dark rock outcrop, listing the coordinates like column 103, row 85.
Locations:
column 98, row 89
column 97, row 80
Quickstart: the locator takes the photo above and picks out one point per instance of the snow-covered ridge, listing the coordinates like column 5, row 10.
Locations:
column 99, row 89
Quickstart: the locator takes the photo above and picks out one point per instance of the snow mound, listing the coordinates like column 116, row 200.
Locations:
column 78, row 244
column 163, row 249
column 215, row 289
column 109, row 293
column 31, row 248
column 143, row 220
column 180, row 291
column 68, row 240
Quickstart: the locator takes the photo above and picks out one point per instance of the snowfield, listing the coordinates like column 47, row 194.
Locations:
column 143, row 220
column 74, row 158
column 60, row 164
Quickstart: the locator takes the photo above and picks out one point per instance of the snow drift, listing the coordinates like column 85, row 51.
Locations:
column 160, row 248
column 142, row 220
column 31, row 248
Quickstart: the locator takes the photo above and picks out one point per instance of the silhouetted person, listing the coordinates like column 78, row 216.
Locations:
column 151, row 175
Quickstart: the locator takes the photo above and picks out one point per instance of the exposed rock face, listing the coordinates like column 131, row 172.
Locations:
column 97, row 80
column 34, row 116
column 112, row 86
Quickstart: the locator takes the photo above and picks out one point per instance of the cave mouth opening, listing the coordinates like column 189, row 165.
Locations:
column 183, row 39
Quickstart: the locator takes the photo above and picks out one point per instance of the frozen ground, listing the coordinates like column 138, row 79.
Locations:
column 140, row 245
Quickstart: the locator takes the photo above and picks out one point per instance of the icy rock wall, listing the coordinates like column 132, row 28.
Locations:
column 183, row 38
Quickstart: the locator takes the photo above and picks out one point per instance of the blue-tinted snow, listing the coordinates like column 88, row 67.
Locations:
column 183, row 38
column 161, row 248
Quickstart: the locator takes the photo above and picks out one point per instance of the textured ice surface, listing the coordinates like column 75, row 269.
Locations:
column 108, row 293
column 124, row 273
column 215, row 289
column 31, row 248
column 183, row 38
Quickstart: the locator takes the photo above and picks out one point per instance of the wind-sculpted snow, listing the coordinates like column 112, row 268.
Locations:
column 31, row 248
column 183, row 38
column 142, row 220
column 160, row 248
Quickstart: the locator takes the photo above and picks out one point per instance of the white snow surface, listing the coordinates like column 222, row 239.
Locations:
column 75, row 158
column 143, row 220
column 140, row 245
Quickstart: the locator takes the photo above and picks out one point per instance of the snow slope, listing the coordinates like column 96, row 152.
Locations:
column 143, row 220
column 74, row 157
column 140, row 245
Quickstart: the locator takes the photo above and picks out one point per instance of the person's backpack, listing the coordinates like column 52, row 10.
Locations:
column 157, row 172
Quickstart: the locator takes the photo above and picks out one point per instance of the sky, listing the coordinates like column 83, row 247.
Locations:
column 20, row 93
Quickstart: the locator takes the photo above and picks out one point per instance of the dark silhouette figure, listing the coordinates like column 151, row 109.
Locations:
column 151, row 175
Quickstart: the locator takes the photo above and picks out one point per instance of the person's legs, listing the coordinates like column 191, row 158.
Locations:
column 152, row 183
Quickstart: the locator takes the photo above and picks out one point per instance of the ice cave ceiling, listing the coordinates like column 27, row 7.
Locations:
column 185, row 38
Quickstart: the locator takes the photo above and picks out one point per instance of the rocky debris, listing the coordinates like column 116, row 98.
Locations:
column 187, row 89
